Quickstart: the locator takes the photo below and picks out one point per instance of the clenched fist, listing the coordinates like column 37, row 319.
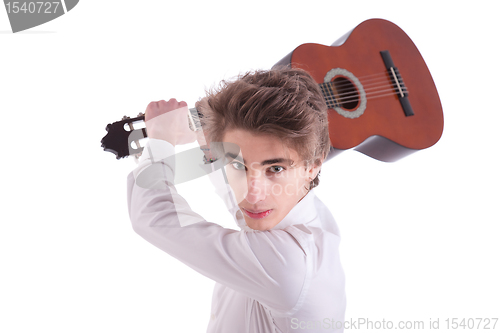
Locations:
column 169, row 121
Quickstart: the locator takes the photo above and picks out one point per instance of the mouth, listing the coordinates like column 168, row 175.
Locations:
column 257, row 215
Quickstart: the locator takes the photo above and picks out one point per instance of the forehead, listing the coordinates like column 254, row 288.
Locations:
column 258, row 147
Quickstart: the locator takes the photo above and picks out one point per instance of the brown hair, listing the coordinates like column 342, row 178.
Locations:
column 286, row 103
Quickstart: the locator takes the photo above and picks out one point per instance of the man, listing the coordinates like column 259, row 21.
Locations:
column 281, row 272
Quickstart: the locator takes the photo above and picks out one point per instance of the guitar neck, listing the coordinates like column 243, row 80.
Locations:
column 123, row 139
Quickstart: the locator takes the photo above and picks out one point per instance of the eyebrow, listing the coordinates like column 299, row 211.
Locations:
column 265, row 162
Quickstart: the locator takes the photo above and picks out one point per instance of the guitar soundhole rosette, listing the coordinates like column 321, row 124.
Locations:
column 348, row 96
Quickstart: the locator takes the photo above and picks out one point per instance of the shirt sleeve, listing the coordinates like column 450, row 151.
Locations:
column 268, row 266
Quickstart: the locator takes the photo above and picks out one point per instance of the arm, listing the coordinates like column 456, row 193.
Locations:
column 268, row 266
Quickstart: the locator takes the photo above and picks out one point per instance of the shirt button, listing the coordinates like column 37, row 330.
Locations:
column 212, row 316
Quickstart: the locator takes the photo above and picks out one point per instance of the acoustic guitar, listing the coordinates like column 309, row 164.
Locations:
column 381, row 97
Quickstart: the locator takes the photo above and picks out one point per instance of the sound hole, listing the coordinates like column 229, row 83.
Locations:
column 346, row 93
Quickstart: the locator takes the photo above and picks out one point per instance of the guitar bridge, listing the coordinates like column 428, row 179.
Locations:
column 398, row 83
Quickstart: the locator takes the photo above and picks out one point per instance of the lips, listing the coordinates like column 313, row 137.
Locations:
column 258, row 214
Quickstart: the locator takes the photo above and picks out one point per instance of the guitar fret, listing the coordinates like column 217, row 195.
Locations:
column 334, row 100
column 329, row 102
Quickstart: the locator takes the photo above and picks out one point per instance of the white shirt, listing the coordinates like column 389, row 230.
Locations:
column 287, row 279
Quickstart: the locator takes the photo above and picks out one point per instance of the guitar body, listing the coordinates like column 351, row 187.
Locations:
column 371, row 119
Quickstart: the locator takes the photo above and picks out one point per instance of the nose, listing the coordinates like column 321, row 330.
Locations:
column 256, row 190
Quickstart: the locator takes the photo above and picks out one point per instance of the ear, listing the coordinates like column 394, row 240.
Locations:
column 313, row 170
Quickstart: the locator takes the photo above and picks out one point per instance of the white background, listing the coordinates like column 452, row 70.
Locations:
column 420, row 236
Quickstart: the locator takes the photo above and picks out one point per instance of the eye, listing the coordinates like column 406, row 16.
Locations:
column 238, row 166
column 276, row 169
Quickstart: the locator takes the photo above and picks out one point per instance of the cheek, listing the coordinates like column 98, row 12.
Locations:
column 280, row 186
column 286, row 188
column 237, row 181
column 289, row 181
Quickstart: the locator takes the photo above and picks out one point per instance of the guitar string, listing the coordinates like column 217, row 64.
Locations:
column 345, row 93
column 376, row 75
column 365, row 82
column 368, row 78
column 371, row 89
column 370, row 93
column 375, row 86
column 341, row 88
column 356, row 99
column 367, row 88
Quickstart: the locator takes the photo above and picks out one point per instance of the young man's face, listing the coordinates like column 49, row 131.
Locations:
column 264, row 184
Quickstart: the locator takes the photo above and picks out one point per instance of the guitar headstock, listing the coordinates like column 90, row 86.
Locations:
column 123, row 140
column 120, row 136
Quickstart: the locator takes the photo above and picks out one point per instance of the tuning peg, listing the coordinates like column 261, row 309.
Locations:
column 118, row 137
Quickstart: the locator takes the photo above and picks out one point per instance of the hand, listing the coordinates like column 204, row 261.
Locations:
column 169, row 121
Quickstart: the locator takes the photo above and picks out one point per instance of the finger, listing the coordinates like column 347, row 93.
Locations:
column 161, row 107
column 151, row 110
column 172, row 104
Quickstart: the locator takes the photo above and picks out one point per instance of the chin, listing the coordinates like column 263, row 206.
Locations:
column 258, row 227
column 260, row 224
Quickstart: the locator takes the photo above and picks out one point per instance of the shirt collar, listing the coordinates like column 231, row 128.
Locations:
column 302, row 213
